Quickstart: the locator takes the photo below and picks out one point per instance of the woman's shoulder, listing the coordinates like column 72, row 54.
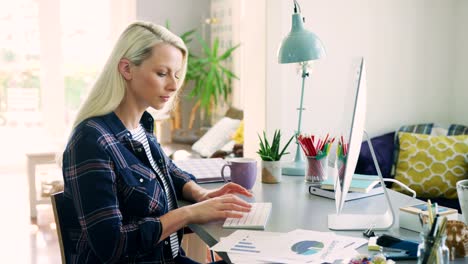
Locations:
column 92, row 128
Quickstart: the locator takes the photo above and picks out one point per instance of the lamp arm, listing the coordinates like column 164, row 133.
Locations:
column 304, row 75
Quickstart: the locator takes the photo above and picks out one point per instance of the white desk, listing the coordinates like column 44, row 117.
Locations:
column 294, row 207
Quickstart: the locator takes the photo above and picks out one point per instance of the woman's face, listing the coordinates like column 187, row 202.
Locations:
column 155, row 80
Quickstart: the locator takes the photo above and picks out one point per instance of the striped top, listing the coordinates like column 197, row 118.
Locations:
column 115, row 197
column 139, row 135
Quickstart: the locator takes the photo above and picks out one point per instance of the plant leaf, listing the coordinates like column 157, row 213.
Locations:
column 215, row 47
column 204, row 45
column 286, row 146
column 187, row 34
column 228, row 52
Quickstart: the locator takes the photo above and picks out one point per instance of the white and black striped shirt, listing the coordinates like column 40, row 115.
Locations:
column 139, row 135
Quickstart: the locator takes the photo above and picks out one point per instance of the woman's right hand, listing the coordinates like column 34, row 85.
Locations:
column 218, row 208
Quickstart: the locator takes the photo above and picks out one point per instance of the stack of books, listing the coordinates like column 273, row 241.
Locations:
column 361, row 186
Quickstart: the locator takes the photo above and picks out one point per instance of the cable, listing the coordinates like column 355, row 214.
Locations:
column 404, row 186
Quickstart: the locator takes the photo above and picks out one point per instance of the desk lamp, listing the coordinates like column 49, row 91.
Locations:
column 299, row 46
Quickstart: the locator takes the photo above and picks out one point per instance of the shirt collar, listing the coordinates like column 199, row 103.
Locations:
column 118, row 128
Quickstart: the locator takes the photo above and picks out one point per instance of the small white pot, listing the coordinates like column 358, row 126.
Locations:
column 271, row 171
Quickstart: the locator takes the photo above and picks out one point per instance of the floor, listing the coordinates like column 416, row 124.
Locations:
column 23, row 241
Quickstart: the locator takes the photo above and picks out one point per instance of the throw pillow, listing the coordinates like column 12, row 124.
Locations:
column 432, row 165
column 457, row 130
column 419, row 129
column 383, row 147
column 216, row 137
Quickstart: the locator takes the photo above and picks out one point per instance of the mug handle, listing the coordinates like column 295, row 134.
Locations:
column 222, row 171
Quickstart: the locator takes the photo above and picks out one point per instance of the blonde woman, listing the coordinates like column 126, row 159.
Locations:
column 123, row 188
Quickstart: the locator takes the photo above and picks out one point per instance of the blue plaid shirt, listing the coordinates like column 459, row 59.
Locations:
column 117, row 196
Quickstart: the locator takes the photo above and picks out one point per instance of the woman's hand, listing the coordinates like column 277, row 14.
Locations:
column 228, row 188
column 217, row 208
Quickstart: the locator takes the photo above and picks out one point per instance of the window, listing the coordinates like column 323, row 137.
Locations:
column 51, row 52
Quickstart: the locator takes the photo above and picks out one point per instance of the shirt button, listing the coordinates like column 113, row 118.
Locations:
column 150, row 119
column 128, row 134
column 141, row 180
column 139, row 149
column 166, row 243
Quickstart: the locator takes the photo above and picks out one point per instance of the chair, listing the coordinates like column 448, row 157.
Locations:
column 59, row 208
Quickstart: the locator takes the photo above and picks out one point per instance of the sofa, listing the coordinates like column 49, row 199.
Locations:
column 393, row 162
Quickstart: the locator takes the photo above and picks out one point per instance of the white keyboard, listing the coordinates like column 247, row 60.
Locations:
column 255, row 219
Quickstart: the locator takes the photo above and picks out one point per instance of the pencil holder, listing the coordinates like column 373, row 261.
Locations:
column 433, row 249
column 316, row 169
column 341, row 167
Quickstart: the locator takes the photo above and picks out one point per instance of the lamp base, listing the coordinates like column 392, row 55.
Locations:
column 294, row 168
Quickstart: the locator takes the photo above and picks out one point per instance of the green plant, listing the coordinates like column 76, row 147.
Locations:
column 209, row 75
column 272, row 152
column 212, row 79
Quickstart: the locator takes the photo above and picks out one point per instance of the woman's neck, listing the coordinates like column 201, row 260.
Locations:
column 129, row 116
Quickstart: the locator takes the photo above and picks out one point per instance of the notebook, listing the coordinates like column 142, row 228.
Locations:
column 204, row 170
column 360, row 183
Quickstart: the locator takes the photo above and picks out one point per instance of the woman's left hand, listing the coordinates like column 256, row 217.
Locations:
column 228, row 188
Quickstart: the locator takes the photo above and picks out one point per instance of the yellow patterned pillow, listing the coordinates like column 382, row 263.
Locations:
column 432, row 165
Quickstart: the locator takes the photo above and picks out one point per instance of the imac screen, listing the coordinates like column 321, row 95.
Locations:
column 348, row 151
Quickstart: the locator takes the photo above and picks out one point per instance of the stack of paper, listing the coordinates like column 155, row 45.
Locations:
column 298, row 246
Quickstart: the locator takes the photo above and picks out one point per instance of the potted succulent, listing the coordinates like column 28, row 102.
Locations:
column 271, row 156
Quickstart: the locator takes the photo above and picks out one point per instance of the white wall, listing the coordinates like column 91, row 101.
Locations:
column 459, row 110
column 253, row 71
column 182, row 14
column 410, row 55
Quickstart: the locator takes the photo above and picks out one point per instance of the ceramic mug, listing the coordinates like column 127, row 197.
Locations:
column 462, row 191
column 243, row 171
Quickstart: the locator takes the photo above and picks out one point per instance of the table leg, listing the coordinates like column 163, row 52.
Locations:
column 31, row 166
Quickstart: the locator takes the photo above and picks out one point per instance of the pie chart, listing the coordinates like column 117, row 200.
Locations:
column 307, row 247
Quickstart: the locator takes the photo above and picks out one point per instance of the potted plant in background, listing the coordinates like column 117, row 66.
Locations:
column 211, row 80
column 271, row 156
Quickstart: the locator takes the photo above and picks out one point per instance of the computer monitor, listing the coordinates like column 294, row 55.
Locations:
column 340, row 221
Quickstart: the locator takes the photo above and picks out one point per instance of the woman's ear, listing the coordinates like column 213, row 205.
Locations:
column 124, row 69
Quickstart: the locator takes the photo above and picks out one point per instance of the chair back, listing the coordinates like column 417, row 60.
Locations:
column 60, row 211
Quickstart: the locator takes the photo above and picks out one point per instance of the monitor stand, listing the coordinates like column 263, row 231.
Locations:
column 382, row 221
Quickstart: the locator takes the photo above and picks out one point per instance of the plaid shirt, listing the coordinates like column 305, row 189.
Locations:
column 117, row 196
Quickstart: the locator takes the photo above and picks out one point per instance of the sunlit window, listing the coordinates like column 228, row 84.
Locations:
column 86, row 44
column 19, row 63
column 51, row 52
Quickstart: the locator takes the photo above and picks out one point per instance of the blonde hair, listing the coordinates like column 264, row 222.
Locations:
column 135, row 44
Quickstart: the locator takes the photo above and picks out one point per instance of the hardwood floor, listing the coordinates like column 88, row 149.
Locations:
column 23, row 241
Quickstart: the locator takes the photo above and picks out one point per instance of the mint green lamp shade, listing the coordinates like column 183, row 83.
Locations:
column 300, row 44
